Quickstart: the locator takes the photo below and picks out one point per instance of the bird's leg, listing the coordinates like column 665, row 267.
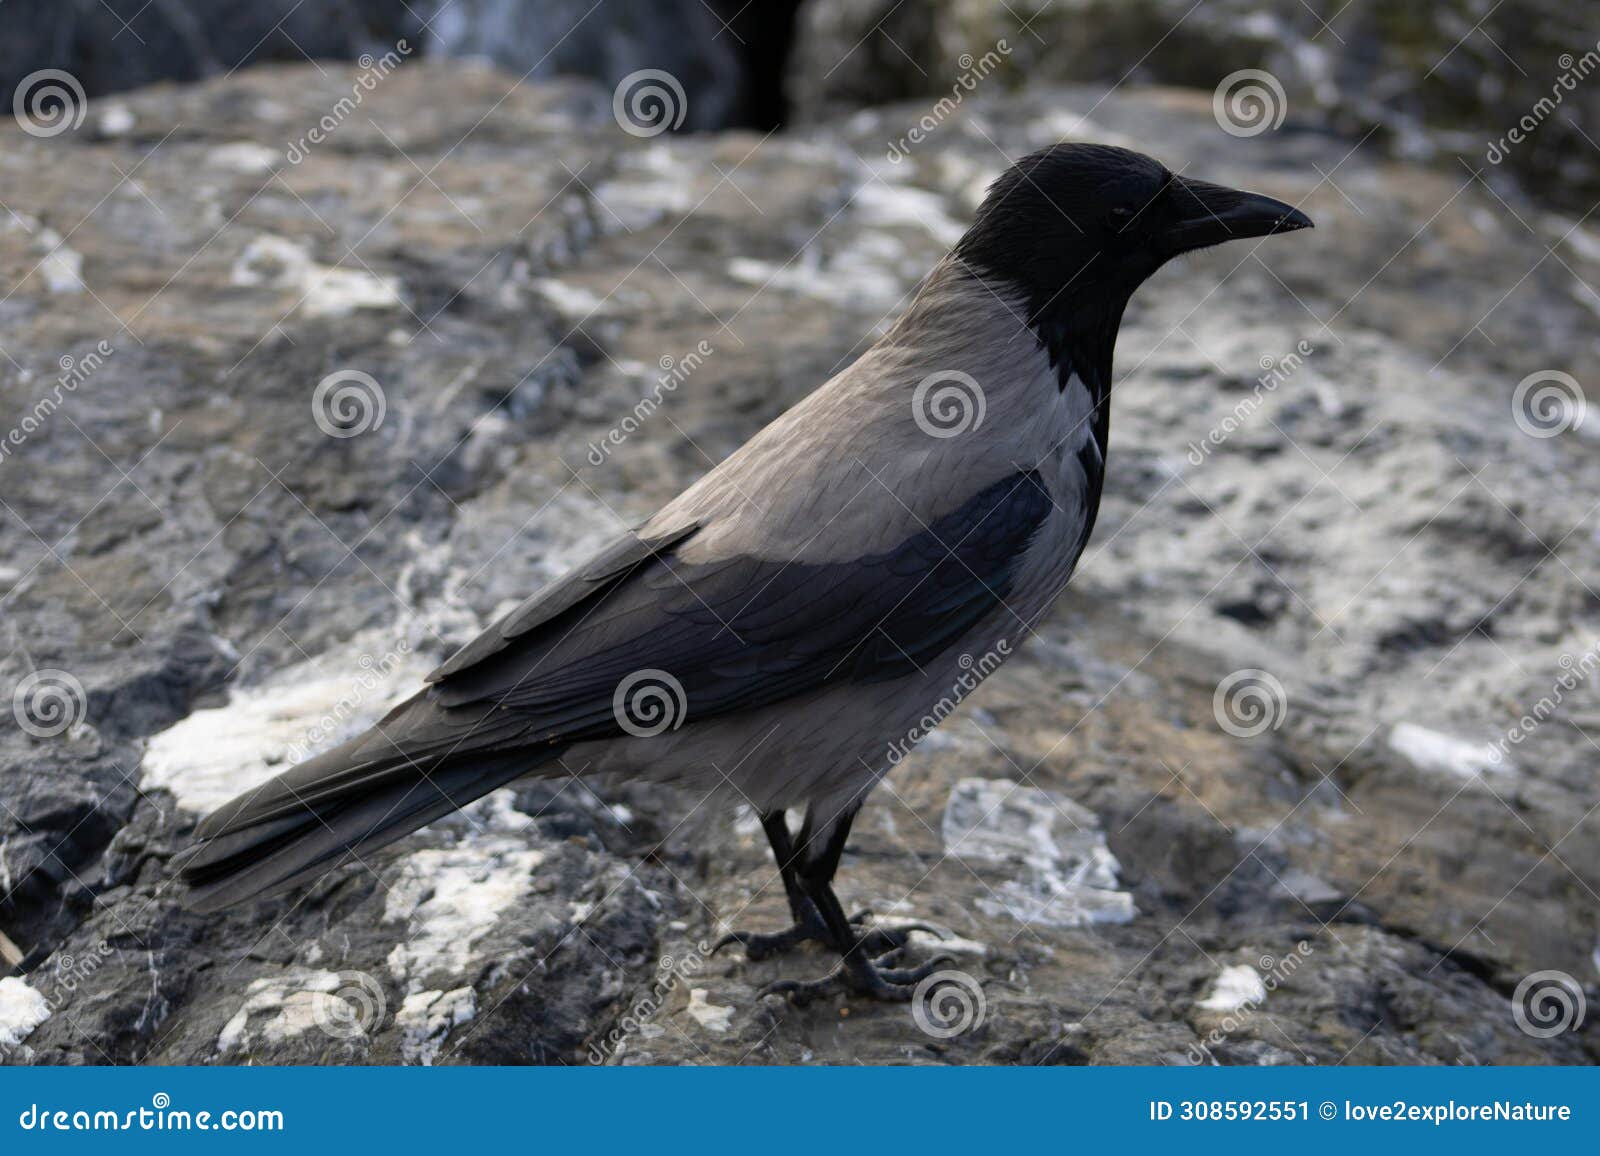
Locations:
column 858, row 970
column 809, row 925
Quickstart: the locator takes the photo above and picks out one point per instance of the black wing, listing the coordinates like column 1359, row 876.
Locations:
column 745, row 632
column 582, row 585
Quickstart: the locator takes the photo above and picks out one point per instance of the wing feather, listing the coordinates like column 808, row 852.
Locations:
column 743, row 632
column 613, row 563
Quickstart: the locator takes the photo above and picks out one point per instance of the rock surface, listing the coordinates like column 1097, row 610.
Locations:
column 724, row 56
column 1438, row 81
column 1252, row 795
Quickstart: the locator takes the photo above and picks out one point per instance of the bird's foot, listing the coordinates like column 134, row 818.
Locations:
column 872, row 942
column 858, row 974
column 758, row 946
column 878, row 943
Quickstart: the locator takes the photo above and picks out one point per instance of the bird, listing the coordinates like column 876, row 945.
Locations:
column 774, row 633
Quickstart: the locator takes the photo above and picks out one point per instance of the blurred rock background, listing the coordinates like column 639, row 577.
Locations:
column 1303, row 769
column 1425, row 81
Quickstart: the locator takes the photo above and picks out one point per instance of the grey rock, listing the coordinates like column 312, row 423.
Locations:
column 1496, row 84
column 549, row 38
column 719, row 55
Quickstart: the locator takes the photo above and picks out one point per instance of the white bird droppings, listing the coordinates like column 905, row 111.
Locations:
column 281, row 1007
column 320, row 290
column 1235, row 987
column 426, row 1018
column 708, row 1015
column 450, row 897
column 61, row 267
column 244, row 157
column 21, row 1010
column 1430, row 750
column 208, row 757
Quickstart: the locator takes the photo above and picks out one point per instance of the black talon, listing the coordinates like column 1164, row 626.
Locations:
column 759, row 946
column 876, row 941
column 911, row 976
column 873, row 942
column 783, row 987
column 882, row 959
column 858, row 977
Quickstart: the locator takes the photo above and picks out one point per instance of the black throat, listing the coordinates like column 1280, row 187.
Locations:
column 1080, row 339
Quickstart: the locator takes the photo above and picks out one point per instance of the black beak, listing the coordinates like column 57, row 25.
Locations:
column 1211, row 214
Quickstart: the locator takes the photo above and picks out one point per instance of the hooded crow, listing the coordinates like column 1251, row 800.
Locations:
column 777, row 632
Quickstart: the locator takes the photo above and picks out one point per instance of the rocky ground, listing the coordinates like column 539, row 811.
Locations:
column 1142, row 849
column 1439, row 83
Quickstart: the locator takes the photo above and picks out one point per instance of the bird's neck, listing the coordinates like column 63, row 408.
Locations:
column 1079, row 339
column 1075, row 327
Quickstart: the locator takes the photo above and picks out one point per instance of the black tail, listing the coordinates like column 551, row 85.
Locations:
column 333, row 808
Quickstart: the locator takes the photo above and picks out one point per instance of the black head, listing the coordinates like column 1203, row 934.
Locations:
column 1078, row 227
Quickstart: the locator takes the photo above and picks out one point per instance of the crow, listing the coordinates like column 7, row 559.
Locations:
column 779, row 630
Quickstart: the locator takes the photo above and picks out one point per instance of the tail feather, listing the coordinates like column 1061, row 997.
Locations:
column 406, row 744
column 329, row 810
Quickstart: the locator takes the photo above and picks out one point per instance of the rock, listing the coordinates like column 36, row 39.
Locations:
column 120, row 45
column 428, row 1017
column 724, row 60
column 547, row 38
column 1496, row 84
column 210, row 571
column 1053, row 864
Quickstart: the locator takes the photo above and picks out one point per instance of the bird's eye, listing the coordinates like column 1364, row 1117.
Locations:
column 1120, row 217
